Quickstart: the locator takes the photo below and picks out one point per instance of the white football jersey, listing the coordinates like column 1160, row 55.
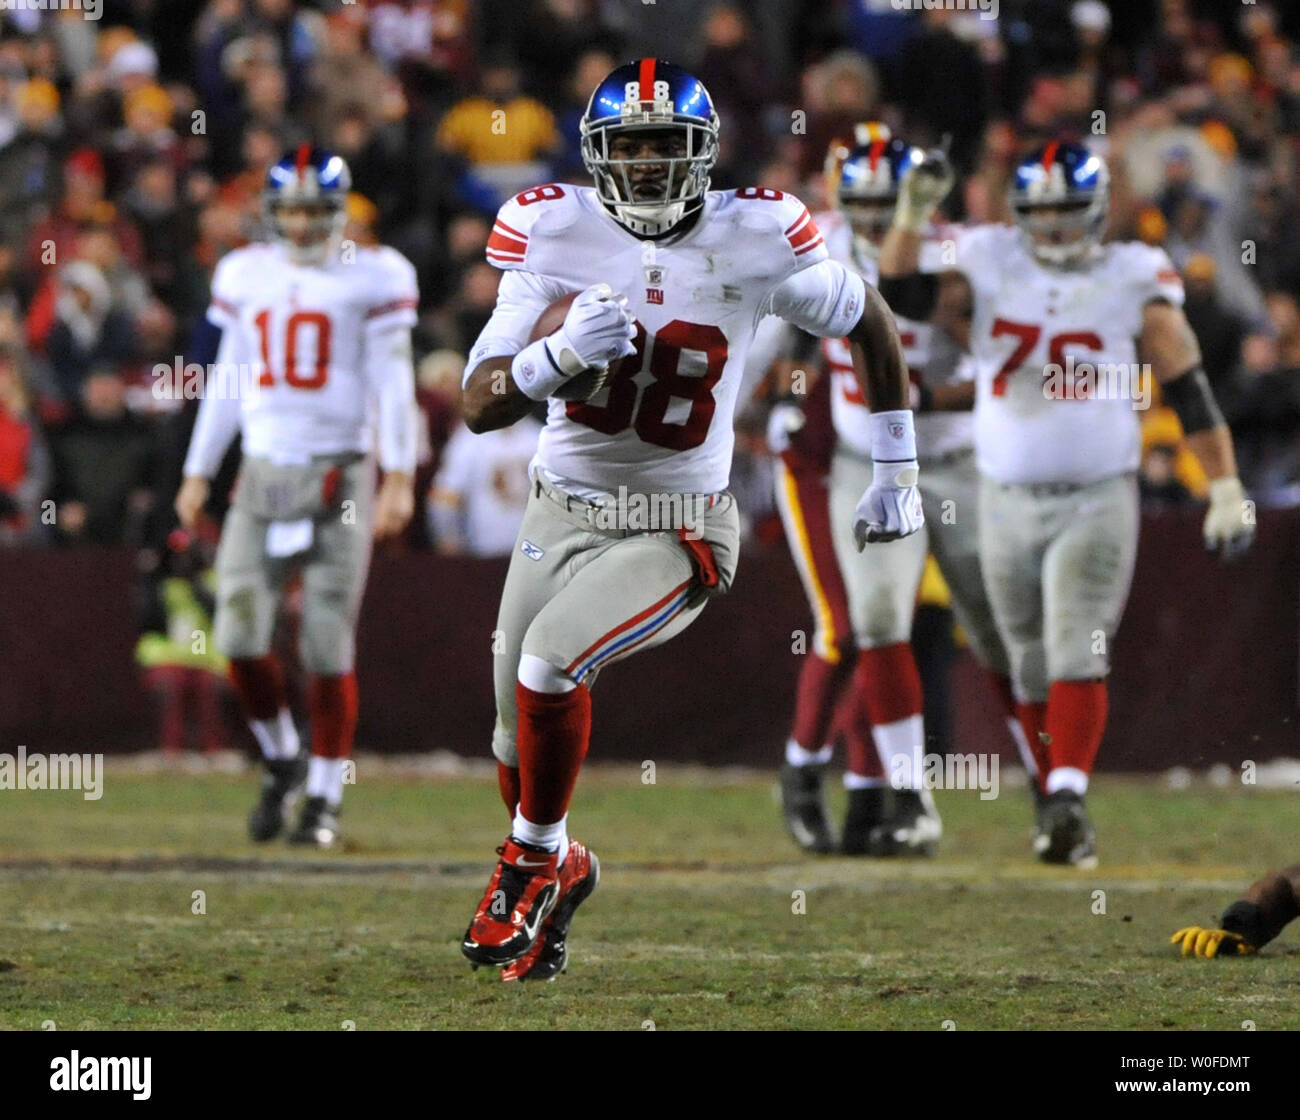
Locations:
column 929, row 364
column 1033, row 424
column 663, row 421
column 483, row 483
column 324, row 350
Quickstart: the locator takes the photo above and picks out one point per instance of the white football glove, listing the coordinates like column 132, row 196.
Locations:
column 785, row 419
column 1230, row 523
column 923, row 187
column 597, row 330
column 572, row 362
column 891, row 507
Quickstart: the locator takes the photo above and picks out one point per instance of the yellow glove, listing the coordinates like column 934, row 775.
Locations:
column 1207, row 943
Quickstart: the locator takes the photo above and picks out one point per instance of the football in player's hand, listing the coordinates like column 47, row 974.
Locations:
column 581, row 386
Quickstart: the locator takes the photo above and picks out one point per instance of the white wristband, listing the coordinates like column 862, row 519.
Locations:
column 535, row 371
column 893, row 439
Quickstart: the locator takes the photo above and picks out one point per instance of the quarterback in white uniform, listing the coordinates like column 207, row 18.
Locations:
column 630, row 528
column 314, row 371
column 1059, row 323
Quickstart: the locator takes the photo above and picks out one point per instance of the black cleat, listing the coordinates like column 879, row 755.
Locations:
column 1065, row 834
column 282, row 782
column 867, row 810
column 913, row 827
column 318, row 825
column 803, row 805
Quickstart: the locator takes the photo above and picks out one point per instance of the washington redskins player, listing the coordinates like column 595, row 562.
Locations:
column 672, row 279
column 324, row 338
column 1250, row 923
column 1059, row 322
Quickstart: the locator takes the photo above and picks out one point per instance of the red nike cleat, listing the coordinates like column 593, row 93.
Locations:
column 549, row 954
column 520, row 895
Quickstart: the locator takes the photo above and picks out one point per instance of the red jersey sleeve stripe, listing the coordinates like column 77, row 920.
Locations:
column 810, row 246
column 506, row 244
column 389, row 308
column 222, row 306
column 512, row 232
column 804, row 216
column 807, row 234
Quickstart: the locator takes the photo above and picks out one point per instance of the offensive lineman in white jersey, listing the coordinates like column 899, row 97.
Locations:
column 863, row 182
column 318, row 344
column 673, row 279
column 1059, row 321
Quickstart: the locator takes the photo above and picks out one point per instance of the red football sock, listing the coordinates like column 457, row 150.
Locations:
column 852, row 723
column 1033, row 719
column 508, row 784
column 552, row 737
column 889, row 683
column 333, row 704
column 1076, row 720
column 259, row 685
column 815, row 695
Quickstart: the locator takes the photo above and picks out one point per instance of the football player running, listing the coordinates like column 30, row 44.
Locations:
column 317, row 341
column 863, row 183
column 1059, row 321
column 672, row 279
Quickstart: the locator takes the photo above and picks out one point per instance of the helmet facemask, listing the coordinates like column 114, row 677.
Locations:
column 323, row 233
column 313, row 235
column 1061, row 226
column 869, row 219
column 650, row 195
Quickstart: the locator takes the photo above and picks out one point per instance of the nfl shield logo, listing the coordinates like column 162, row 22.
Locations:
column 896, row 430
column 654, row 276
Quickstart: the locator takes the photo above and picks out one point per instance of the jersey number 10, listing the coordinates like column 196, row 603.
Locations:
column 647, row 418
column 314, row 377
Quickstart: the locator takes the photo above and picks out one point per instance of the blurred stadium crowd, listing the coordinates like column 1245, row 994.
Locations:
column 133, row 150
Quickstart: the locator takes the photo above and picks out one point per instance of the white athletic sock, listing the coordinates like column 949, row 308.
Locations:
column 277, row 736
column 795, row 755
column 1022, row 745
column 899, row 745
column 542, row 676
column 1067, row 777
column 861, row 781
column 550, row 837
column 325, row 778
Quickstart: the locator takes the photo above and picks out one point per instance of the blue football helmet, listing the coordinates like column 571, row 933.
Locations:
column 317, row 181
column 1059, row 198
column 862, row 179
column 651, row 95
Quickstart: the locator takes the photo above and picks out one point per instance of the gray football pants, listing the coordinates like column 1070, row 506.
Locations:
column 580, row 595
column 883, row 579
column 250, row 584
column 1058, row 562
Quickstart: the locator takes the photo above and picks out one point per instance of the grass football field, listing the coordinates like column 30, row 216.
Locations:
column 706, row 916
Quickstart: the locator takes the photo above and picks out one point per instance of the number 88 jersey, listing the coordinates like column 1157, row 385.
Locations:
column 663, row 421
column 1058, row 395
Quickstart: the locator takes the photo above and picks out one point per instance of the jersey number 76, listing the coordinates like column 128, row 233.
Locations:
column 648, row 417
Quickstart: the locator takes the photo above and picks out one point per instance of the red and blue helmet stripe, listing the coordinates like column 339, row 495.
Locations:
column 309, row 174
column 649, row 86
column 1059, row 198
